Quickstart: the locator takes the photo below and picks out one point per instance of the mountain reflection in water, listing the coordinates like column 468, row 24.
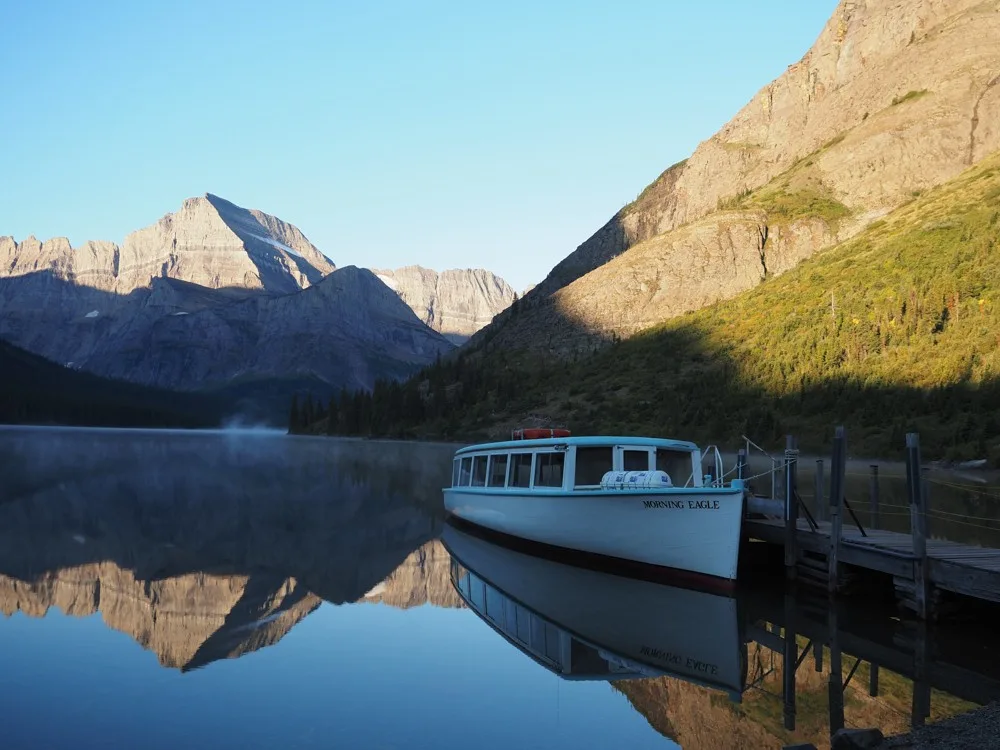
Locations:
column 203, row 548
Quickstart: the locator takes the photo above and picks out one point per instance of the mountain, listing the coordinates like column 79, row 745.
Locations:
column 35, row 390
column 214, row 298
column 209, row 241
column 348, row 329
column 828, row 258
column 455, row 303
column 893, row 99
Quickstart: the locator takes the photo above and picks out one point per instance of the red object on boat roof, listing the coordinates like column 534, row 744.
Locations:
column 535, row 433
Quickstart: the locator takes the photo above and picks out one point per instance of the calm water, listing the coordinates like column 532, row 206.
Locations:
column 252, row 590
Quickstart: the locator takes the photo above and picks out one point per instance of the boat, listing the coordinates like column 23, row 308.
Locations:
column 583, row 624
column 646, row 502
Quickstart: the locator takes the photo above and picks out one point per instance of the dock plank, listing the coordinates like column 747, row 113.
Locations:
column 970, row 570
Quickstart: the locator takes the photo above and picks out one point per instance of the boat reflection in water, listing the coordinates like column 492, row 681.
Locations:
column 585, row 624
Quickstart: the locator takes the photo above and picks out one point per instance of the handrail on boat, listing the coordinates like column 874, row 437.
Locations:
column 718, row 480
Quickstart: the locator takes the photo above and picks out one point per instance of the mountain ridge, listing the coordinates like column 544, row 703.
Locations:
column 456, row 302
column 891, row 99
column 211, row 296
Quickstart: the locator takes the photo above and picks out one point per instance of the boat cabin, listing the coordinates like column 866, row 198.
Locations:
column 573, row 463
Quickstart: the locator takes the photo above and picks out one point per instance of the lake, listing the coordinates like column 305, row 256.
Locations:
column 248, row 589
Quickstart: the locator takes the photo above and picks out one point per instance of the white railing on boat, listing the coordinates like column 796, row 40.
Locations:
column 718, row 477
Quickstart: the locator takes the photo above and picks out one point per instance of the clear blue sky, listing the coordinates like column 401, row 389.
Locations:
column 450, row 134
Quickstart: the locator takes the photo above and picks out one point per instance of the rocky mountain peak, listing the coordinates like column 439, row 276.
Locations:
column 456, row 303
column 894, row 98
column 209, row 241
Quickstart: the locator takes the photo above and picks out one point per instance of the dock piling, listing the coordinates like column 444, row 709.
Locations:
column 790, row 660
column 918, row 522
column 838, row 470
column 835, row 678
column 791, row 508
column 820, row 504
column 873, row 497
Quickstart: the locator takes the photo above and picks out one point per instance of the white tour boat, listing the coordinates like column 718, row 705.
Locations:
column 638, row 500
column 589, row 625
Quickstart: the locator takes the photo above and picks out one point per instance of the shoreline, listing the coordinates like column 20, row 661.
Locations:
column 974, row 474
column 977, row 728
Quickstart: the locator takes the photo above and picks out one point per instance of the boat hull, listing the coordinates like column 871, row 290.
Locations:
column 694, row 531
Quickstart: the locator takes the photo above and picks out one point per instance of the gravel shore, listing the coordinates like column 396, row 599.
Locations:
column 976, row 729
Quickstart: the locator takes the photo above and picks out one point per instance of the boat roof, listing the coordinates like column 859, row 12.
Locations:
column 582, row 440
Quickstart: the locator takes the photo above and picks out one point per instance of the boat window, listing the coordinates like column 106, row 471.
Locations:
column 635, row 460
column 677, row 464
column 523, row 624
column 494, row 605
column 466, row 474
column 477, row 593
column 592, row 464
column 498, row 470
column 552, row 642
column 520, row 470
column 549, row 469
column 479, row 471
column 456, row 471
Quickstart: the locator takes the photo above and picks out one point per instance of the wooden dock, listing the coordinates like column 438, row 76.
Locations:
column 827, row 553
column 950, row 566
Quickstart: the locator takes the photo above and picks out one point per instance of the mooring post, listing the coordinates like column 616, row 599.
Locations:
column 789, row 662
column 921, row 708
column 838, row 466
column 791, row 508
column 835, row 678
column 873, row 496
column 918, row 522
column 741, row 464
column 873, row 679
column 820, row 503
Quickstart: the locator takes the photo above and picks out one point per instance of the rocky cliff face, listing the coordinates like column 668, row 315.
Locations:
column 211, row 294
column 348, row 329
column 209, row 241
column 187, row 621
column 894, row 98
column 424, row 577
column 456, row 303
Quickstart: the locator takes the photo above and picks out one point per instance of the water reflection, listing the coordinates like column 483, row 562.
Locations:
column 586, row 624
column 245, row 562
column 204, row 547
column 763, row 667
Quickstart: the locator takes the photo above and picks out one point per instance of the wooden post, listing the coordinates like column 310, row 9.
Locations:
column 835, row 678
column 921, row 708
column 791, row 508
column 918, row 521
column 820, row 504
column 837, row 471
column 873, row 497
column 873, row 679
column 789, row 661
column 818, row 655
